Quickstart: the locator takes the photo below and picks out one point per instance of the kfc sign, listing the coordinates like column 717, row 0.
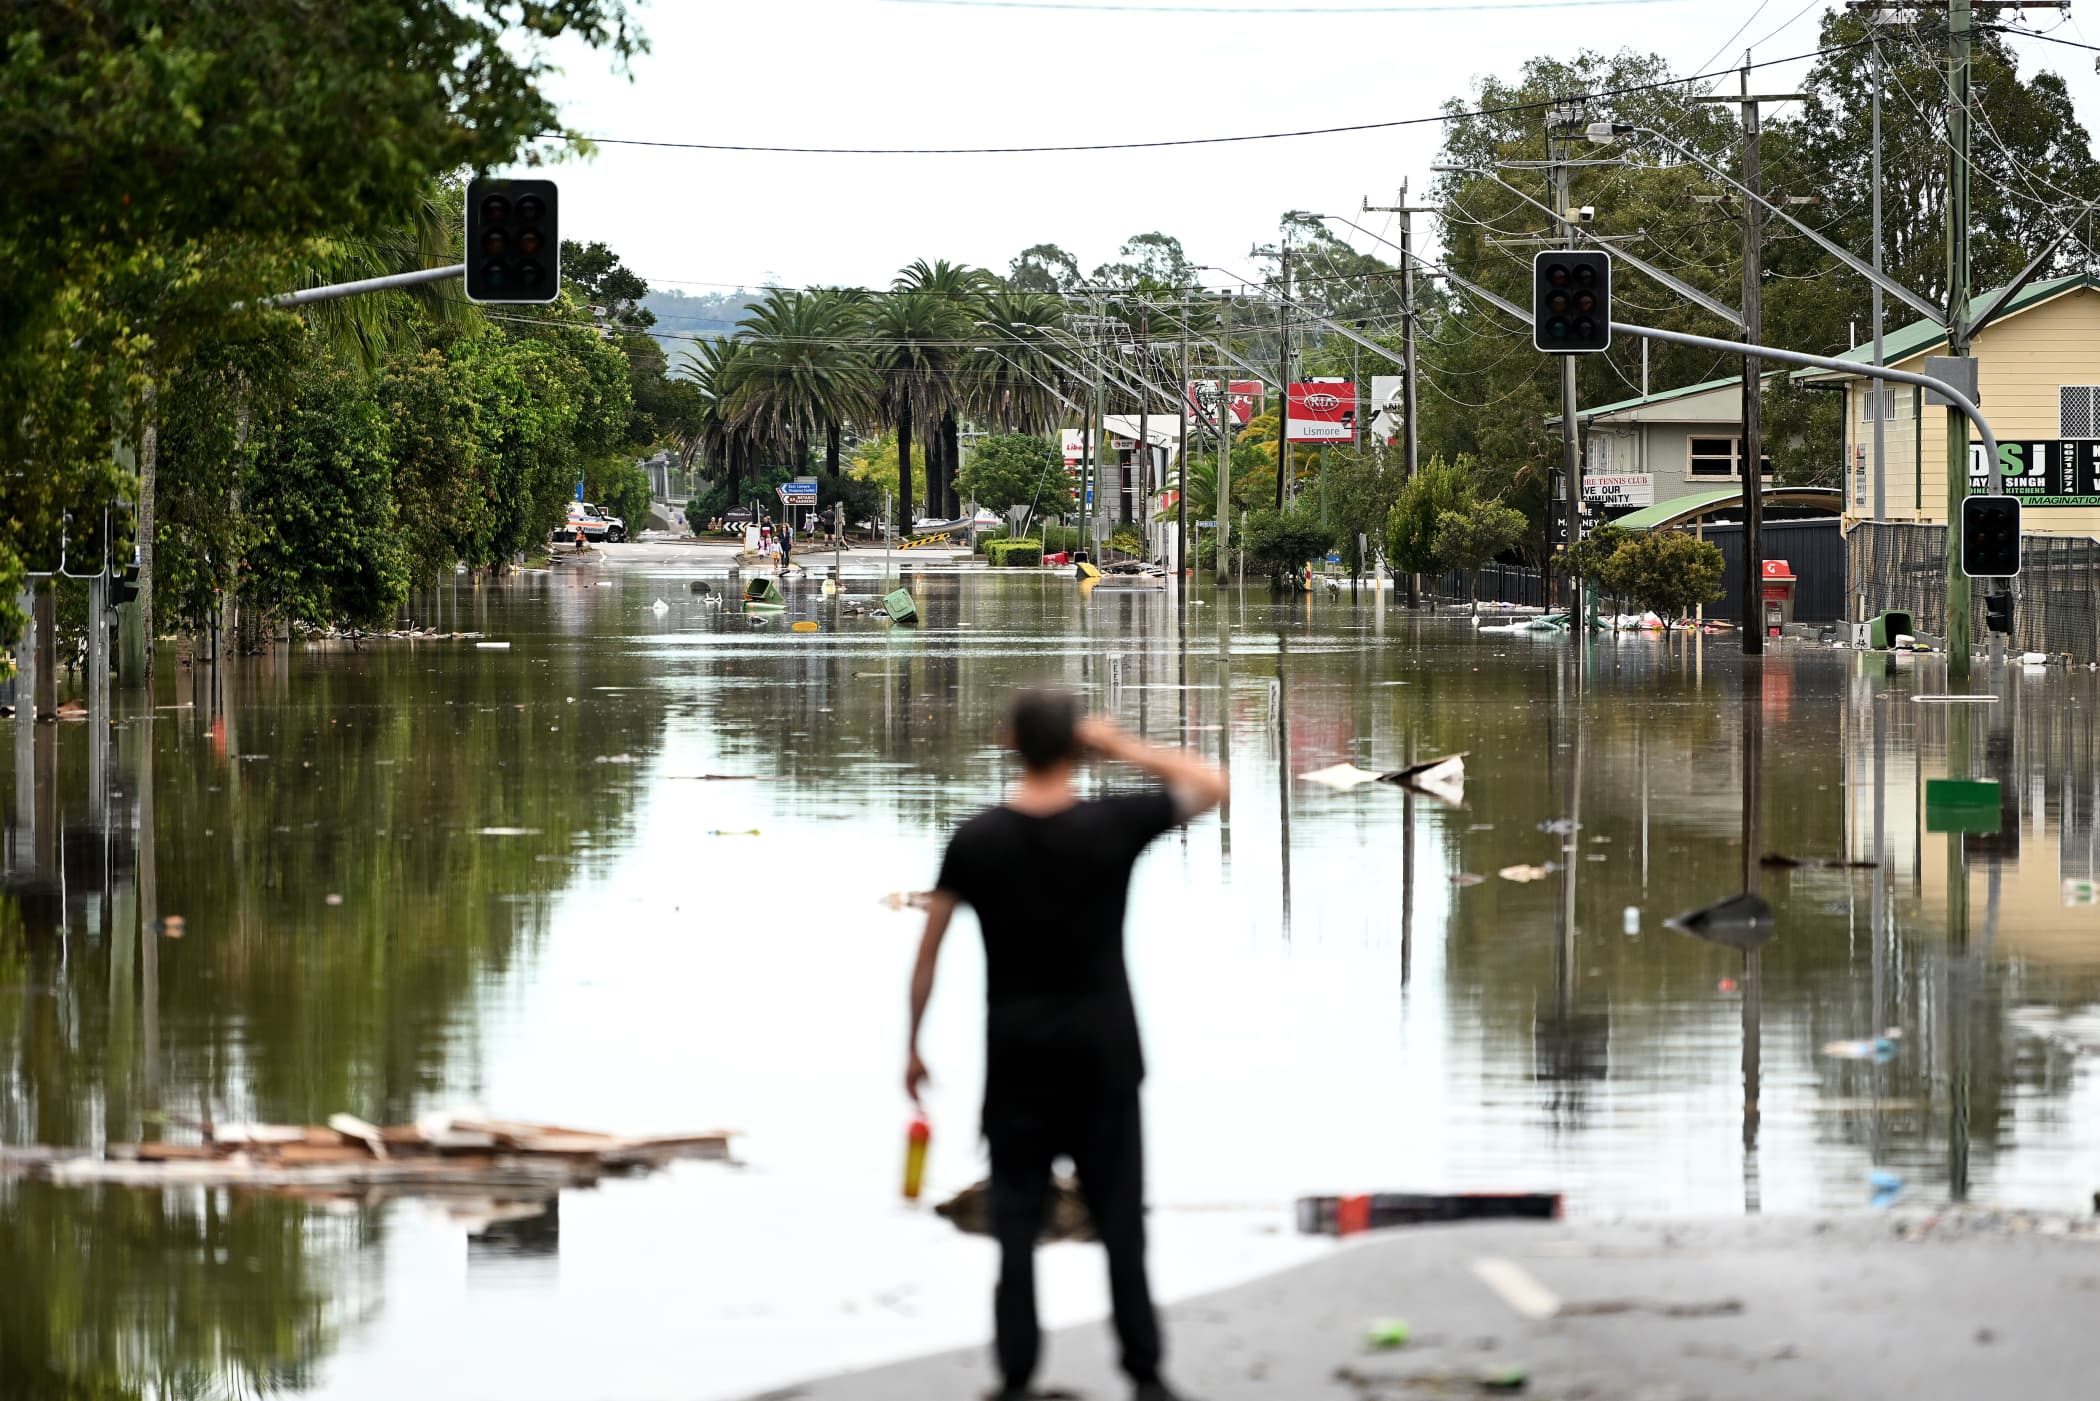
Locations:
column 1203, row 398
column 1322, row 411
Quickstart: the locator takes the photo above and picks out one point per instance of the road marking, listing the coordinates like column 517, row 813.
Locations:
column 1517, row 1288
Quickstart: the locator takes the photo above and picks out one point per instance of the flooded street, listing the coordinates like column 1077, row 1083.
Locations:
column 628, row 873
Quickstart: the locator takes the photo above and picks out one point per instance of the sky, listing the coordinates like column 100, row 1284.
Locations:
column 861, row 73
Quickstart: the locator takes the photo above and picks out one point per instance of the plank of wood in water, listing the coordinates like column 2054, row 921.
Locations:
column 350, row 1126
column 173, row 1152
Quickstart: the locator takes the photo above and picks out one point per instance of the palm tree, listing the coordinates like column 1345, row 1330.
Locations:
column 964, row 290
column 804, row 371
column 1014, row 384
column 717, row 366
column 913, row 338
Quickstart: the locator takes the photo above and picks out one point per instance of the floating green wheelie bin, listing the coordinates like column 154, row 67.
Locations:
column 1889, row 626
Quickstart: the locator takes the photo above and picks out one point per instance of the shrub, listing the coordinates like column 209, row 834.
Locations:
column 1014, row 554
column 1277, row 543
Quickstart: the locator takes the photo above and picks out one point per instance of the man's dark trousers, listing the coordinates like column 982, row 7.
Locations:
column 1104, row 1137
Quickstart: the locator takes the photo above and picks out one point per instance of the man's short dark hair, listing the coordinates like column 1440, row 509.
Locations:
column 1044, row 726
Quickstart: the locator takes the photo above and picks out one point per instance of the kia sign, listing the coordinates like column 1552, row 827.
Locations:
column 1203, row 398
column 1323, row 411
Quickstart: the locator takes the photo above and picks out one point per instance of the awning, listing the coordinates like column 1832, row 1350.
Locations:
column 1682, row 510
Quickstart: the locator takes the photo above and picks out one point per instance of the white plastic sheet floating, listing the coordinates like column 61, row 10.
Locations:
column 659, row 608
column 1442, row 778
column 493, row 646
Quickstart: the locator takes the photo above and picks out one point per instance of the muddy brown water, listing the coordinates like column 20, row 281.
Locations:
column 425, row 873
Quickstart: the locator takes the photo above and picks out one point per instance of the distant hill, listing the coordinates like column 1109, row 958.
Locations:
column 681, row 315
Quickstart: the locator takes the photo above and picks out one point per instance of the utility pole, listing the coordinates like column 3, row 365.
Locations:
column 1181, row 466
column 1753, row 442
column 1141, row 509
column 1959, row 21
column 1753, row 376
column 1224, row 492
column 1560, row 117
column 1408, row 367
column 1881, row 393
column 1283, row 383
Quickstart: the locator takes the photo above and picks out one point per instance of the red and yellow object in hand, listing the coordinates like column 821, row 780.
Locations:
column 915, row 1140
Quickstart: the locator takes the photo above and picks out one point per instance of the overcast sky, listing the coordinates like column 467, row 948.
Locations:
column 984, row 73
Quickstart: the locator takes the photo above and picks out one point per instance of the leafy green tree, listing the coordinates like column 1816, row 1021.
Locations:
column 1473, row 535
column 602, row 280
column 1010, row 469
column 1043, row 268
column 1278, row 543
column 1361, row 485
column 1437, row 489
column 325, row 546
column 621, row 487
column 227, row 145
column 1668, row 572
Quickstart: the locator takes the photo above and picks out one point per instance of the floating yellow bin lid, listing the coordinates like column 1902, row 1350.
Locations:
column 804, row 626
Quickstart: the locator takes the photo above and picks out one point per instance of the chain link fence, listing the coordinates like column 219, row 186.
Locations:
column 2056, row 606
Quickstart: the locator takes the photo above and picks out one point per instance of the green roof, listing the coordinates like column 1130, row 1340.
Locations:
column 1697, row 503
column 1921, row 336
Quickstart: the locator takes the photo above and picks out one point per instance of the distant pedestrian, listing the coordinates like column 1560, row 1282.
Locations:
column 787, row 547
column 1062, row 1061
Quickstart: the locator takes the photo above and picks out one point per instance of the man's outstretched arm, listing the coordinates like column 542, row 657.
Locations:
column 1197, row 785
column 939, row 910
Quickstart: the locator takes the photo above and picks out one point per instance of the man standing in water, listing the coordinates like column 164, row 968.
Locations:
column 1062, row 1063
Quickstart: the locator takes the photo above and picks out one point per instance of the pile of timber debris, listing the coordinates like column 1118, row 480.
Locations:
column 441, row 1152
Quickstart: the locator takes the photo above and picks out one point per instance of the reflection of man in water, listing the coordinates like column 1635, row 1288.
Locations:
column 1062, row 1063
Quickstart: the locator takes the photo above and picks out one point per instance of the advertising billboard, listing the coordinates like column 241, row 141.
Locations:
column 1387, row 409
column 1322, row 411
column 1074, row 440
column 1245, row 394
column 2064, row 472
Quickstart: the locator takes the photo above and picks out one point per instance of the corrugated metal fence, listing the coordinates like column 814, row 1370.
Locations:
column 2056, row 608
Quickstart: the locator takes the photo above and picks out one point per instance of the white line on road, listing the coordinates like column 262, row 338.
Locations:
column 1516, row 1288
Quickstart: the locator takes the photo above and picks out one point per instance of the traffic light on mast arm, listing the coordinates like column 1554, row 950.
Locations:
column 513, row 241
column 1990, row 537
column 1571, row 302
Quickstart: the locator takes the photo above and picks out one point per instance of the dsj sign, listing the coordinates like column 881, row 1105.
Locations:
column 2063, row 472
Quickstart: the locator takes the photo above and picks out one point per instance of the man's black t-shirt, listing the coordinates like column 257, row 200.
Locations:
column 1049, row 894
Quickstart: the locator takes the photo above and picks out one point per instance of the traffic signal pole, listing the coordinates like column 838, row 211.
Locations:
column 1958, row 27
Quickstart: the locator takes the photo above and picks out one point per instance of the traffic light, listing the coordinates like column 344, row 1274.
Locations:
column 1990, row 537
column 1997, row 613
column 513, row 241
column 124, row 585
column 87, row 542
column 1571, row 302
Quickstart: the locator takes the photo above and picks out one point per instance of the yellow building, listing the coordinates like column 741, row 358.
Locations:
column 2038, row 367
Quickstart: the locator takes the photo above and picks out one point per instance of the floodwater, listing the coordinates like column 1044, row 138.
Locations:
column 423, row 874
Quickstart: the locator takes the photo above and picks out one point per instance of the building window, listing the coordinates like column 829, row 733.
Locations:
column 2078, row 411
column 1721, row 457
column 1874, row 395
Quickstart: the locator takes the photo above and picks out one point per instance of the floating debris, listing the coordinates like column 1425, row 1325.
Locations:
column 1879, row 1049
column 1387, row 1334
column 1524, row 874
column 506, row 831
column 441, row 1152
column 1462, row 879
column 615, row 759
column 1346, row 1216
column 1742, row 922
column 970, row 1211
column 738, row 832
column 172, row 926
column 1442, row 778
column 1561, row 826
column 1780, row 862
column 659, row 608
column 493, row 646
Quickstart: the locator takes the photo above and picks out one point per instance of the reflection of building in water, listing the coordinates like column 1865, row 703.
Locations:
column 2036, row 871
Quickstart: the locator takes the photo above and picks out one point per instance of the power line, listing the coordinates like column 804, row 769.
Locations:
column 1183, row 141
column 1099, row 6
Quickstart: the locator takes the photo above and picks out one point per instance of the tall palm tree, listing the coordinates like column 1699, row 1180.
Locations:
column 1015, row 384
column 913, row 346
column 717, row 366
column 964, row 290
column 804, row 371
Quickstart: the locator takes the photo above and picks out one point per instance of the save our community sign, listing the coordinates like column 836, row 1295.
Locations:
column 2042, row 472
